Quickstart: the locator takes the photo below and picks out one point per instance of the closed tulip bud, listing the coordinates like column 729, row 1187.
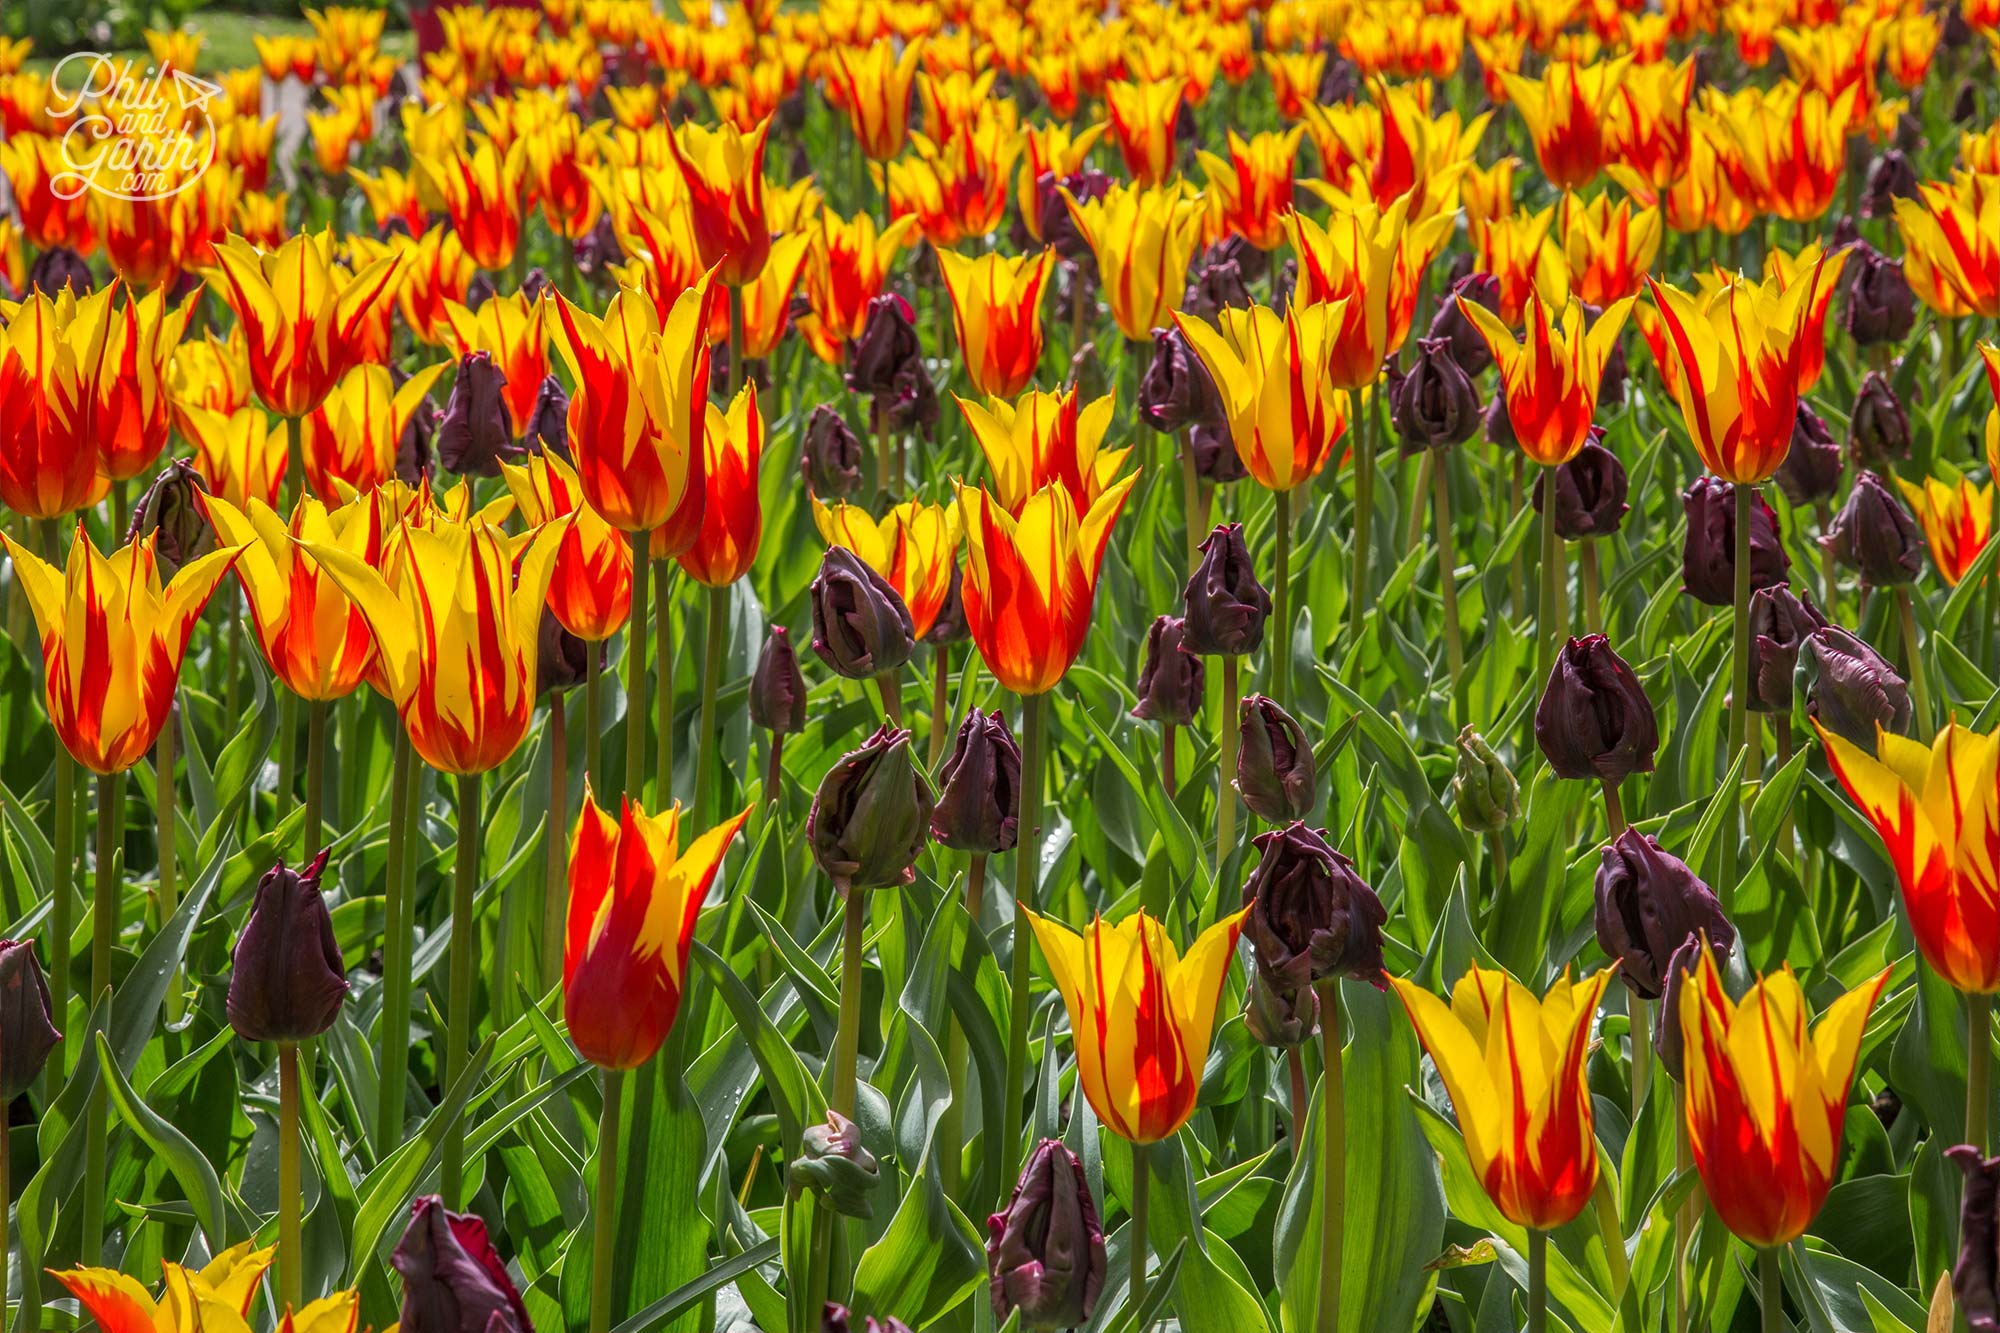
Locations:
column 1975, row 1278
column 1170, row 680
column 777, row 690
column 286, row 979
column 1878, row 431
column 1176, row 391
column 1874, row 535
column 1226, row 605
column 1880, row 307
column 561, row 659
column 861, row 627
column 1499, row 423
column 1891, row 178
column 1648, row 903
column 835, row 1319
column 1279, row 1015
column 27, row 1032
column 950, row 626
column 453, row 1279
column 887, row 347
column 1590, row 493
column 1850, row 689
column 832, row 457
column 1667, row 1035
column 1483, row 790
column 871, row 816
column 479, row 291
column 548, row 425
column 1780, row 620
column 1312, row 918
column 1215, row 456
column 599, row 251
column 170, row 511
column 1058, row 227
column 1045, row 1250
column 1594, row 720
column 910, row 403
column 1965, row 108
column 1811, row 470
column 476, row 433
column 1216, row 283
column 979, row 801
column 1708, row 552
column 1468, row 345
column 832, row 1161
column 1275, row 771
column 1435, row 405
column 60, row 267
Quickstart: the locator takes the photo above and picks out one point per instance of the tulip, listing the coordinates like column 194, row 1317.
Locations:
column 482, row 187
column 997, row 311
column 1551, row 380
column 1311, row 917
column 1275, row 378
column 873, row 84
column 1951, row 242
column 831, row 459
column 1452, row 325
column 862, row 627
column 287, row 980
column 1975, row 1278
column 1850, row 689
column 171, row 511
column 305, row 315
column 1143, row 116
column 1708, row 559
column 1594, row 719
column 886, row 350
column 847, row 263
column 1957, row 517
column 1811, row 470
column 1792, row 148
column 1590, row 494
column 1514, row 1067
column 1176, row 390
column 837, row 1320
column 1483, row 789
column 1609, row 248
column 1648, row 903
column 1878, row 430
column 350, row 442
column 1891, row 178
column 1170, row 679
column 1217, row 284
column 871, row 816
column 511, row 332
column 27, row 1024
column 1874, row 535
column 1226, row 607
column 1434, row 404
column 956, row 189
column 217, row 1297
column 1525, row 260
column 1565, row 111
column 1251, row 191
column 129, row 407
column 590, row 582
column 911, row 548
column 1880, row 307
column 1275, row 771
column 453, row 1280
column 732, row 520
column 1046, row 439
column 1143, row 240
column 1780, row 621
column 50, row 354
column 1368, row 264
column 979, row 802
column 723, row 170
column 56, row 269
column 777, row 691
column 1045, row 1250
column 1766, row 1099
column 833, row 1163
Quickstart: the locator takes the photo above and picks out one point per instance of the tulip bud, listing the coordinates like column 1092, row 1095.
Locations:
column 548, row 425
column 1058, row 226
column 1965, row 108
column 1435, row 405
column 170, row 512
column 1339, row 81
column 1275, row 771
column 1594, row 720
column 1590, row 493
column 1276, row 1014
column 887, row 347
column 453, row 1280
column 1850, row 689
column 871, row 815
column 1215, row 457
column 1880, row 306
column 476, row 434
column 1216, row 283
column 286, row 979
column 1312, row 917
column 1045, row 1251
column 1610, row 380
column 1682, row 964
column 562, row 660
column 1468, row 345
column 910, row 402
column 1891, row 178
column 1811, row 470
column 861, row 625
column 1708, row 552
column 1648, row 903
column 1874, row 535
column 1483, row 790
column 1177, row 391
column 777, row 690
column 1878, row 432
column 27, row 1031
column 1499, row 425
column 415, row 447
column 949, row 626
column 832, row 457
column 835, row 1319
column 599, row 251
column 1975, row 1278
column 535, row 285
column 833, row 1162
column 60, row 267
column 979, row 803
column 1226, row 606
column 1170, row 680
column 1779, row 623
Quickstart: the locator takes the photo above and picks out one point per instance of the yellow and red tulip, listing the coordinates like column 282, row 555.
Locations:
column 1276, row 378
column 1551, row 379
column 1566, row 110
column 1647, row 130
column 304, row 315
column 511, row 330
column 1144, row 240
column 1049, row 150
column 33, row 163
column 996, row 307
column 1046, row 439
column 872, row 84
column 913, row 546
column 723, row 170
column 480, row 187
column 1368, row 264
column 1252, row 190
column 732, row 517
column 1142, row 123
column 590, row 586
column 1951, row 243
column 216, row 1296
column 1610, row 248
column 51, row 352
column 129, row 411
column 846, row 265
column 1521, row 251
column 1793, row 146
column 349, row 441
column 238, row 455
column 956, row 188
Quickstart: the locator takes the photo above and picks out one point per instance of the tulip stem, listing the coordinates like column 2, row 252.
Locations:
column 1281, row 595
column 1771, row 1290
column 605, row 1222
column 635, row 671
column 1295, row 1067
column 1169, row 777
column 1548, row 611
column 1454, row 646
column 774, row 772
column 663, row 683
column 1027, row 855
column 1739, row 688
column 1978, row 1068
column 62, row 897
column 889, row 688
column 464, row 950
column 6, row 1203
column 103, row 933
column 287, row 742
column 555, row 895
column 397, row 954
column 1593, row 595
column 847, row 1042
column 1516, row 576
column 291, row 1254
column 1364, row 517
column 713, row 641
column 1142, row 1188
column 1829, row 573
column 1538, row 1280
column 168, row 828
column 1228, row 737
column 940, row 702
column 1191, row 500
column 1906, row 615
column 1614, row 808
column 885, row 455
column 592, row 668
column 1640, row 1036
column 1332, row 1157
column 315, row 775
column 951, row 1124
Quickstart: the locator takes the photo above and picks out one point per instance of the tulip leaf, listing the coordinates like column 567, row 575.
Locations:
column 927, row 1260
column 220, row 1224
column 794, row 1093
column 685, row 1297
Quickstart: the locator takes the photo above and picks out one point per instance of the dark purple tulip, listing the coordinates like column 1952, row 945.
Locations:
column 1276, row 1014
column 1780, row 620
column 1218, row 282
column 1975, row 1278
column 1891, row 178
column 777, row 690
column 1215, row 456
column 1045, row 1250
column 909, row 403
column 1594, row 720
column 1170, row 681
column 1648, row 903
column 548, row 425
column 416, row 447
column 599, row 251
column 476, row 433
column 1880, row 306
column 861, row 625
column 1708, row 552
column 1275, row 770
column 1435, row 404
column 479, row 291
column 453, row 1280
column 562, row 659
column 1617, row 370
column 1339, row 81
column 835, row 1319
column 1811, row 470
column 1874, row 535
column 1878, row 432
column 172, row 511
column 887, row 348
column 832, row 458
column 57, row 268
column 979, row 799
column 1499, row 426
column 1590, row 493
column 1226, row 605
column 286, row 980
column 1850, row 689
column 27, row 1031
column 1681, row 965
column 1177, row 391
column 1965, row 109
column 871, row 815
column 1311, row 916
column 536, row 284
column 949, row 626
column 1468, row 345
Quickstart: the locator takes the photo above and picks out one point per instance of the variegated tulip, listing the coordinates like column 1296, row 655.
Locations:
column 511, row 330
column 1551, row 380
column 349, row 440
column 996, row 307
column 723, row 169
column 1143, row 116
column 50, row 354
column 239, row 456
column 872, row 84
column 1566, row 110
column 1046, row 439
column 304, row 315
column 480, row 185
column 913, row 546
column 1951, row 240
column 1252, row 189
column 590, row 586
column 1369, row 265
column 1144, row 240
column 1276, row 379
column 1610, row 248
column 847, row 262
column 732, row 516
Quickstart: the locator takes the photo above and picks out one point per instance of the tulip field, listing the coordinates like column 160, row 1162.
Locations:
column 1236, row 666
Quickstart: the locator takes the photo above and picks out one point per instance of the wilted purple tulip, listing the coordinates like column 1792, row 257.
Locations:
column 562, row 660
column 1780, row 620
column 172, row 510
column 453, row 1280
column 832, row 458
column 27, row 1030
column 888, row 347
column 979, row 797
column 1648, row 903
column 1590, row 493
column 1311, row 916
column 286, row 978
column 1499, row 426
column 476, row 434
column 861, row 625
column 1468, row 345
column 1170, row 681
column 1708, row 552
column 1811, row 470
column 1275, row 770
column 1176, row 391
column 1975, row 1278
column 1435, row 404
column 1874, row 535
column 871, row 816
column 1045, row 1250
column 599, row 251
column 1215, row 456
column 949, row 625
column 1850, row 689
column 1878, row 431
column 777, row 690
column 59, row 267
column 1891, row 178
column 1218, row 282
column 1226, row 606
column 548, row 424
column 1594, row 720
column 1880, row 306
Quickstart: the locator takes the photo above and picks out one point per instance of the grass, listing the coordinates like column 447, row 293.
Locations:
column 230, row 40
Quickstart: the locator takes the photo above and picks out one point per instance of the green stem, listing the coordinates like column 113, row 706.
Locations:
column 940, row 702
column 287, row 743
column 592, row 669
column 1829, row 571
column 555, row 896
column 62, row 897
column 103, row 933
column 315, row 775
column 663, row 684
column 1548, row 611
column 398, row 953
column 847, row 1042
column 1332, row 1158
column 1191, row 500
column 1978, row 1068
column 635, row 672
column 167, row 790
column 711, row 682
column 1454, row 645
column 1142, row 1189
column 1280, row 631
column 291, row 1254
column 951, row 1124
column 1593, row 596
column 459, row 1018
column 1771, row 1290
column 1538, row 1279
column 1517, row 578
column 1739, row 686
column 1227, row 737
column 1364, row 518
column 605, row 1220
column 1641, row 1037
column 885, row 459
column 889, row 688
column 735, row 378
column 1906, row 616
column 1687, row 1217
column 1027, row 854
